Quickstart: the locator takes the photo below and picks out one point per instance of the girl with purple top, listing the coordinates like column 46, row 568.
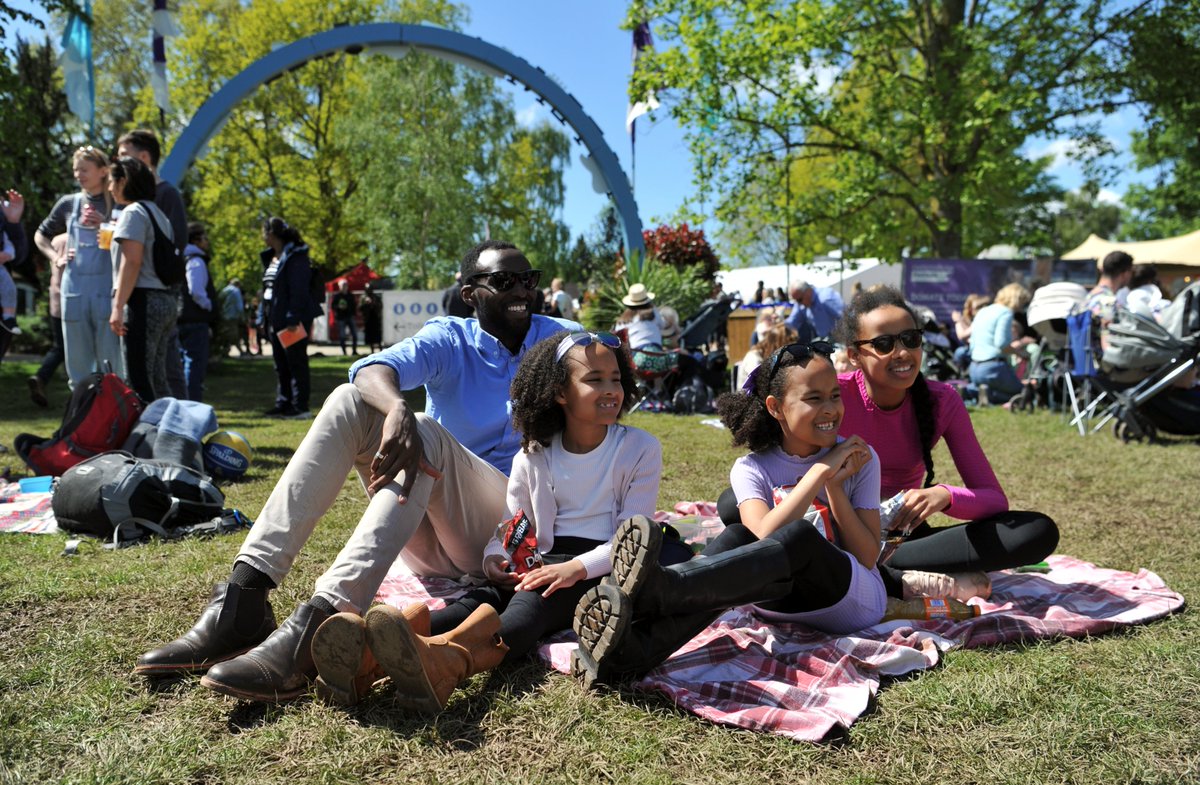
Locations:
column 804, row 551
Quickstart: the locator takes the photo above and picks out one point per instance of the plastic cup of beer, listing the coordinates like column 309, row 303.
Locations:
column 104, row 240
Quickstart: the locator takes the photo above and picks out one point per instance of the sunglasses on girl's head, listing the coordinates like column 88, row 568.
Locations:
column 885, row 344
column 503, row 280
column 583, row 338
column 801, row 352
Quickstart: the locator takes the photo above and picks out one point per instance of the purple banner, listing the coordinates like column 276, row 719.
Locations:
column 941, row 285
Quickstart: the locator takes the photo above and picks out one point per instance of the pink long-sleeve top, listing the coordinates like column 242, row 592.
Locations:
column 897, row 441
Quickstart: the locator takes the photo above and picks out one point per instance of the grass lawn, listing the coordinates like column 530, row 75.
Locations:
column 1120, row 708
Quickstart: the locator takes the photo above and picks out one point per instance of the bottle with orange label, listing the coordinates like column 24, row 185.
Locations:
column 929, row 608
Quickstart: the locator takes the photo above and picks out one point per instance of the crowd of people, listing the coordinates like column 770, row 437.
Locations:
column 109, row 309
column 523, row 427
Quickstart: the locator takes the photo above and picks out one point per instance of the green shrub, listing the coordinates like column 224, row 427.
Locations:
column 682, row 289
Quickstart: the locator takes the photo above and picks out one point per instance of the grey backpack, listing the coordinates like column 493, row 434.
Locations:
column 119, row 497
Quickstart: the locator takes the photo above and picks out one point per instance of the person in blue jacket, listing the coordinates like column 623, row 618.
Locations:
column 287, row 305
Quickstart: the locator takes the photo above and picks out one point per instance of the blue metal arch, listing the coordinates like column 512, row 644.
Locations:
column 447, row 44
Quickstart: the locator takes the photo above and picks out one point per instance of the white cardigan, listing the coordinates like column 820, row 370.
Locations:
column 634, row 492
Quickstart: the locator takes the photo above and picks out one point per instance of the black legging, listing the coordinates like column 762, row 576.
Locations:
column 998, row 542
column 821, row 570
column 526, row 616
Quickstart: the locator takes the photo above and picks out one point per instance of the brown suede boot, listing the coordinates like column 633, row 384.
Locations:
column 347, row 669
column 425, row 670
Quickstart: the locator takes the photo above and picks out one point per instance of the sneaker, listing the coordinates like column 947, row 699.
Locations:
column 961, row 586
column 10, row 324
column 279, row 410
column 298, row 414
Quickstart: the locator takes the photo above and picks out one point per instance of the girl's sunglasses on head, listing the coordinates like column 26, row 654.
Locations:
column 802, row 352
column 583, row 338
column 503, row 280
column 885, row 344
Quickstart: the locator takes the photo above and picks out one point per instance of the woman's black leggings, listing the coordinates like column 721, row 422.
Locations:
column 998, row 542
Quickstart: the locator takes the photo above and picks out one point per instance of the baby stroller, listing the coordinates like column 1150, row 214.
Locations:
column 1162, row 354
column 1047, row 316
column 938, row 362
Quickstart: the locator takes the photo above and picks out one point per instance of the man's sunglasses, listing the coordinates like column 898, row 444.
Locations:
column 801, row 352
column 583, row 338
column 503, row 280
column 885, row 344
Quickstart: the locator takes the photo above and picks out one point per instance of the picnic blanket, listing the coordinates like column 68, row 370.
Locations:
column 807, row 685
column 25, row 513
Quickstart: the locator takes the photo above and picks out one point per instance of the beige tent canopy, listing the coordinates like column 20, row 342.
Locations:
column 1183, row 250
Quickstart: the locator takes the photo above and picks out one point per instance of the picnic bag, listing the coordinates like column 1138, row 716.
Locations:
column 169, row 264
column 117, row 496
column 100, row 414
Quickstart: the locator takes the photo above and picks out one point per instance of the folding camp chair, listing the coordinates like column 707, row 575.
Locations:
column 1085, row 390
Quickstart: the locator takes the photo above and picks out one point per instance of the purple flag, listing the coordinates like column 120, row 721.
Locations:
column 641, row 42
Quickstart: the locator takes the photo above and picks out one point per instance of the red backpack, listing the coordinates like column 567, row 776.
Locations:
column 100, row 414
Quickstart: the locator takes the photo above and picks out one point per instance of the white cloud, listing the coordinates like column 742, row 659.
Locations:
column 529, row 116
column 1059, row 150
column 1105, row 196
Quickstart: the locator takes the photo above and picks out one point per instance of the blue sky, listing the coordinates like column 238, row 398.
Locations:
column 581, row 45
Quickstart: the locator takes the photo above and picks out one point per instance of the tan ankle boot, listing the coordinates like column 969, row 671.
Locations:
column 347, row 669
column 425, row 670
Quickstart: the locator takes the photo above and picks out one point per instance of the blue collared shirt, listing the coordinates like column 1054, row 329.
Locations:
column 467, row 373
column 821, row 316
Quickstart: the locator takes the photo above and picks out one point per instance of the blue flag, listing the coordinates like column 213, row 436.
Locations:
column 79, row 81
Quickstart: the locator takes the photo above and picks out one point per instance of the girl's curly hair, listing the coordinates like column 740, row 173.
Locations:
column 745, row 413
column 924, row 406
column 539, row 379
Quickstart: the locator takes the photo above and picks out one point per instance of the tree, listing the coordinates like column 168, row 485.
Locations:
column 526, row 196
column 911, row 115
column 1164, row 56
column 439, row 127
column 1083, row 214
column 281, row 152
column 37, row 146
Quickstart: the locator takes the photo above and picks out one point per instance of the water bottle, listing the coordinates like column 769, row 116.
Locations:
column 983, row 395
column 929, row 608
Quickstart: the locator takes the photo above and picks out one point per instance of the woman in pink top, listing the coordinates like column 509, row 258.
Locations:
column 897, row 411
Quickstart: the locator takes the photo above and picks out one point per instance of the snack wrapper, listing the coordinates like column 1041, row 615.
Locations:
column 520, row 542
column 892, row 537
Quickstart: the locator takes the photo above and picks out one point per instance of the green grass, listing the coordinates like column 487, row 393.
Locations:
column 1120, row 708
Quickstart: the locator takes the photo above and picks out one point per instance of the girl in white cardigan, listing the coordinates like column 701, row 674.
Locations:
column 578, row 475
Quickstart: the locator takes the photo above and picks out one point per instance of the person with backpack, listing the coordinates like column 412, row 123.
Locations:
column 143, row 144
column 89, row 346
column 199, row 311
column 288, row 312
column 144, row 308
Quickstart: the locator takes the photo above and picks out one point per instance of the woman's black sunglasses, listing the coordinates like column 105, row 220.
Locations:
column 885, row 344
column 503, row 280
column 801, row 352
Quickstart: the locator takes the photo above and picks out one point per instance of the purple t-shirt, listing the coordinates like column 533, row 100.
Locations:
column 763, row 475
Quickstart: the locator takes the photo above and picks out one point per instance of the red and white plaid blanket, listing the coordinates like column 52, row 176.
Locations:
column 791, row 680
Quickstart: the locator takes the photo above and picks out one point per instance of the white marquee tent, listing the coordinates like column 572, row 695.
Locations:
column 827, row 272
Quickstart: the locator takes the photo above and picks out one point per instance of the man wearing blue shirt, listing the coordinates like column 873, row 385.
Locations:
column 816, row 311
column 436, row 483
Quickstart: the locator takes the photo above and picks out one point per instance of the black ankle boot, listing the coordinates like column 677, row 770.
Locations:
column 614, row 647
column 235, row 620
column 756, row 572
column 278, row 669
